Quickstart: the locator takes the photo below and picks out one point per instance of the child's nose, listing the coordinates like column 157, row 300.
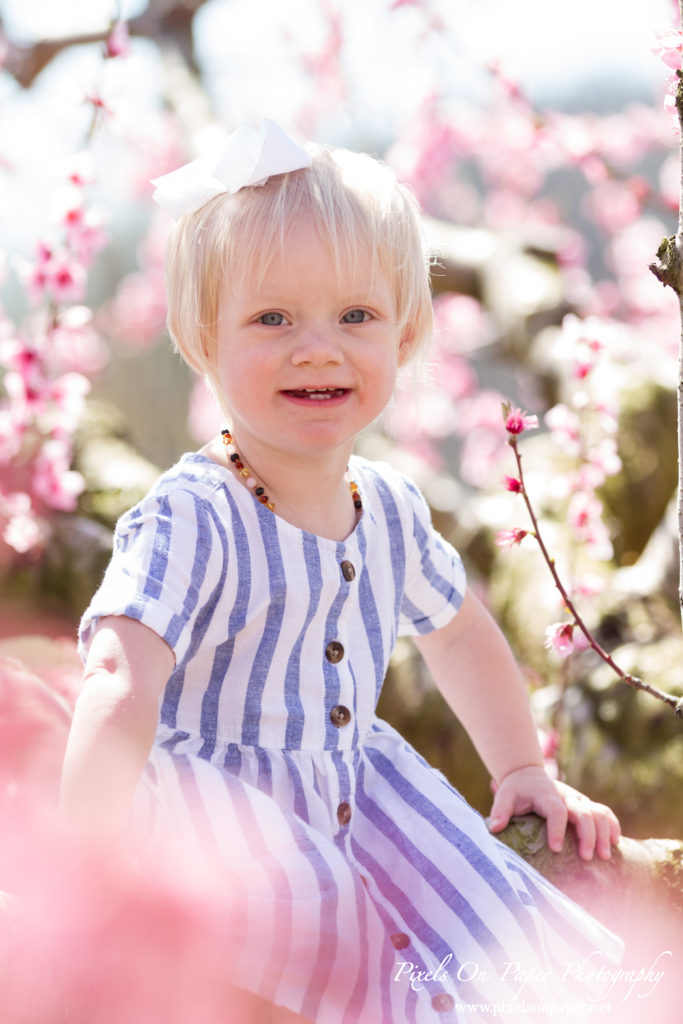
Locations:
column 316, row 345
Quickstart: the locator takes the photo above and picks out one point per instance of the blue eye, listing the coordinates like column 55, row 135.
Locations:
column 355, row 316
column 272, row 319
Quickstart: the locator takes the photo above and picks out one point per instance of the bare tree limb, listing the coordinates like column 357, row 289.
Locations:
column 669, row 270
column 163, row 20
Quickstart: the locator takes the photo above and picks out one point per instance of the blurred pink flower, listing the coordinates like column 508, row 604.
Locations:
column 512, row 483
column 510, row 538
column 549, row 740
column 136, row 316
column 24, row 530
column 67, row 395
column 517, row 420
column 26, row 401
column 584, row 517
column 75, row 345
column 564, row 425
column 118, row 41
column 560, row 638
column 85, row 231
column 613, row 204
column 461, row 323
column 667, row 45
column 52, row 480
column 18, row 354
column 55, row 272
column 65, row 278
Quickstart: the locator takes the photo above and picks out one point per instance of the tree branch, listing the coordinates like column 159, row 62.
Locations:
column 669, row 271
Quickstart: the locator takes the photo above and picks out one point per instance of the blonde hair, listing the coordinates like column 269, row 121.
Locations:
column 357, row 206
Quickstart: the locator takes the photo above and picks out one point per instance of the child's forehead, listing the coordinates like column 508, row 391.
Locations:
column 302, row 249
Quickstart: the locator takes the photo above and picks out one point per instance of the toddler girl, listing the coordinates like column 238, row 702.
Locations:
column 236, row 648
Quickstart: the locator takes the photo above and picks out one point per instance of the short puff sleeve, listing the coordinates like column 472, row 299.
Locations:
column 161, row 572
column 435, row 579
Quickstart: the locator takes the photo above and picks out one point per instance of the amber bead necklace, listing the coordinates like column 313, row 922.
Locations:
column 250, row 480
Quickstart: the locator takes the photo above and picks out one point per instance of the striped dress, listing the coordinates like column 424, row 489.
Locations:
column 360, row 885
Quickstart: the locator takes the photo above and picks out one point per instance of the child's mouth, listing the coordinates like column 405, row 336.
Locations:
column 316, row 394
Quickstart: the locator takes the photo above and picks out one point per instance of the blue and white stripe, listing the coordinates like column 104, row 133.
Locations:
column 326, row 910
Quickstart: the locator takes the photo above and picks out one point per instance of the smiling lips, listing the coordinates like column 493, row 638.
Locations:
column 317, row 394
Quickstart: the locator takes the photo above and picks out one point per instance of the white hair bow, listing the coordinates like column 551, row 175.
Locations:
column 250, row 157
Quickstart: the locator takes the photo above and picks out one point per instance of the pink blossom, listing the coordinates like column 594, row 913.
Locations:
column 24, row 531
column 98, row 103
column 24, row 357
column 65, row 278
column 583, row 369
column 604, row 457
column 589, row 585
column 583, row 510
column 613, row 204
column 513, row 484
column 584, row 516
column 67, row 394
column 510, row 538
column 517, row 421
column 564, row 424
column 560, row 638
column 136, row 315
column 426, row 151
column 549, row 741
column 118, row 42
column 80, row 170
column 11, row 431
column 667, row 45
column 461, row 324
column 34, row 276
column 55, row 272
column 84, row 231
column 52, row 480
column 75, row 345
column 479, row 425
column 481, row 453
column 26, row 400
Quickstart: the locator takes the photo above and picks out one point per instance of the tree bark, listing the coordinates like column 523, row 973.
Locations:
column 669, row 270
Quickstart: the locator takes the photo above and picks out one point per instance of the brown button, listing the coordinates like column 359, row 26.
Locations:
column 334, row 651
column 348, row 571
column 399, row 940
column 442, row 1002
column 340, row 716
column 344, row 813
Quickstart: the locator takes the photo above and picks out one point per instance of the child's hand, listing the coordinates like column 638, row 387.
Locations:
column 531, row 789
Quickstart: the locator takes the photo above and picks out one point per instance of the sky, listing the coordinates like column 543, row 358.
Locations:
column 540, row 40
column 249, row 54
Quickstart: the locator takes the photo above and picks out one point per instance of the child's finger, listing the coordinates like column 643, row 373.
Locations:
column 603, row 842
column 608, row 831
column 502, row 810
column 586, row 832
column 555, row 814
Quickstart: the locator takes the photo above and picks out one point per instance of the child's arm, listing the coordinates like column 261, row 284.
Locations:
column 475, row 670
column 114, row 724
